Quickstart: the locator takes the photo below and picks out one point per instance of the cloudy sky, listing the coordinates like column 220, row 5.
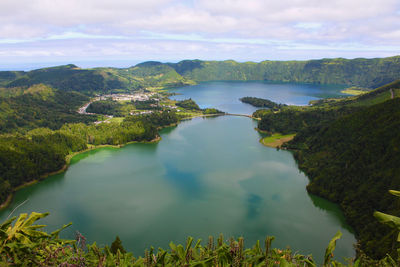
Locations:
column 125, row 32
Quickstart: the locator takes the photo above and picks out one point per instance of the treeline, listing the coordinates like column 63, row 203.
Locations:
column 188, row 104
column 41, row 107
column 24, row 158
column 292, row 119
column 261, row 103
column 105, row 107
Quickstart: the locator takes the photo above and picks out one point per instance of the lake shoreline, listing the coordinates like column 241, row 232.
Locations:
column 65, row 167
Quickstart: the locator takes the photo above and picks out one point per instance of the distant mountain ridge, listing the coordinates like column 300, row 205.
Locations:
column 370, row 73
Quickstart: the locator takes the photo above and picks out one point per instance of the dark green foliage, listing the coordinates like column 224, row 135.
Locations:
column 32, row 110
column 68, row 77
column 210, row 111
column 354, row 161
column 150, row 104
column 188, row 104
column 117, row 245
column 292, row 120
column 26, row 158
column 106, row 107
column 9, row 76
column 156, row 119
column 261, row 103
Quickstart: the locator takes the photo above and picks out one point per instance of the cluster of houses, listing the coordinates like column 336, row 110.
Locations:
column 125, row 97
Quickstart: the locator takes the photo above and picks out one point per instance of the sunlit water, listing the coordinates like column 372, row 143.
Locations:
column 205, row 177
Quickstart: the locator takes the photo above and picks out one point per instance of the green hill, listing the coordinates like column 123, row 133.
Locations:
column 71, row 78
column 40, row 106
column 369, row 73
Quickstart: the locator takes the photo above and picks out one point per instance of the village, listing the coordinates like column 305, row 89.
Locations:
column 136, row 97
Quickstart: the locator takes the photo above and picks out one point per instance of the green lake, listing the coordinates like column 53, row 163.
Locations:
column 206, row 176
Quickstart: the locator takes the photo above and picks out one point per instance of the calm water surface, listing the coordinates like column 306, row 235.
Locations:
column 225, row 95
column 206, row 176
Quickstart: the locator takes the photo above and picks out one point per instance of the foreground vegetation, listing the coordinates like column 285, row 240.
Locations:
column 25, row 244
column 349, row 150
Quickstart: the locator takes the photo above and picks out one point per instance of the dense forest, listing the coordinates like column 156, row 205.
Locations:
column 105, row 107
column 188, row 104
column 349, row 150
column 41, row 106
column 261, row 103
column 354, row 162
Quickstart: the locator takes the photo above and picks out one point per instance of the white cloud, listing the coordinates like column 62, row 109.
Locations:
column 166, row 27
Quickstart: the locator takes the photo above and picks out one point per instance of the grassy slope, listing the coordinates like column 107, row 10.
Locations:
column 276, row 140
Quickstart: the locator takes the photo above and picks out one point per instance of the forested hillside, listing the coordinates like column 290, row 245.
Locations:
column 349, row 150
column 370, row 73
column 354, row 161
column 41, row 106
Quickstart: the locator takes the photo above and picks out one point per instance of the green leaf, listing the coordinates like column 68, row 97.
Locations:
column 6, row 224
column 34, row 217
column 331, row 247
column 395, row 193
column 390, row 220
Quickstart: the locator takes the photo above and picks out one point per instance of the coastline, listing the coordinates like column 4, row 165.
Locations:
column 68, row 158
